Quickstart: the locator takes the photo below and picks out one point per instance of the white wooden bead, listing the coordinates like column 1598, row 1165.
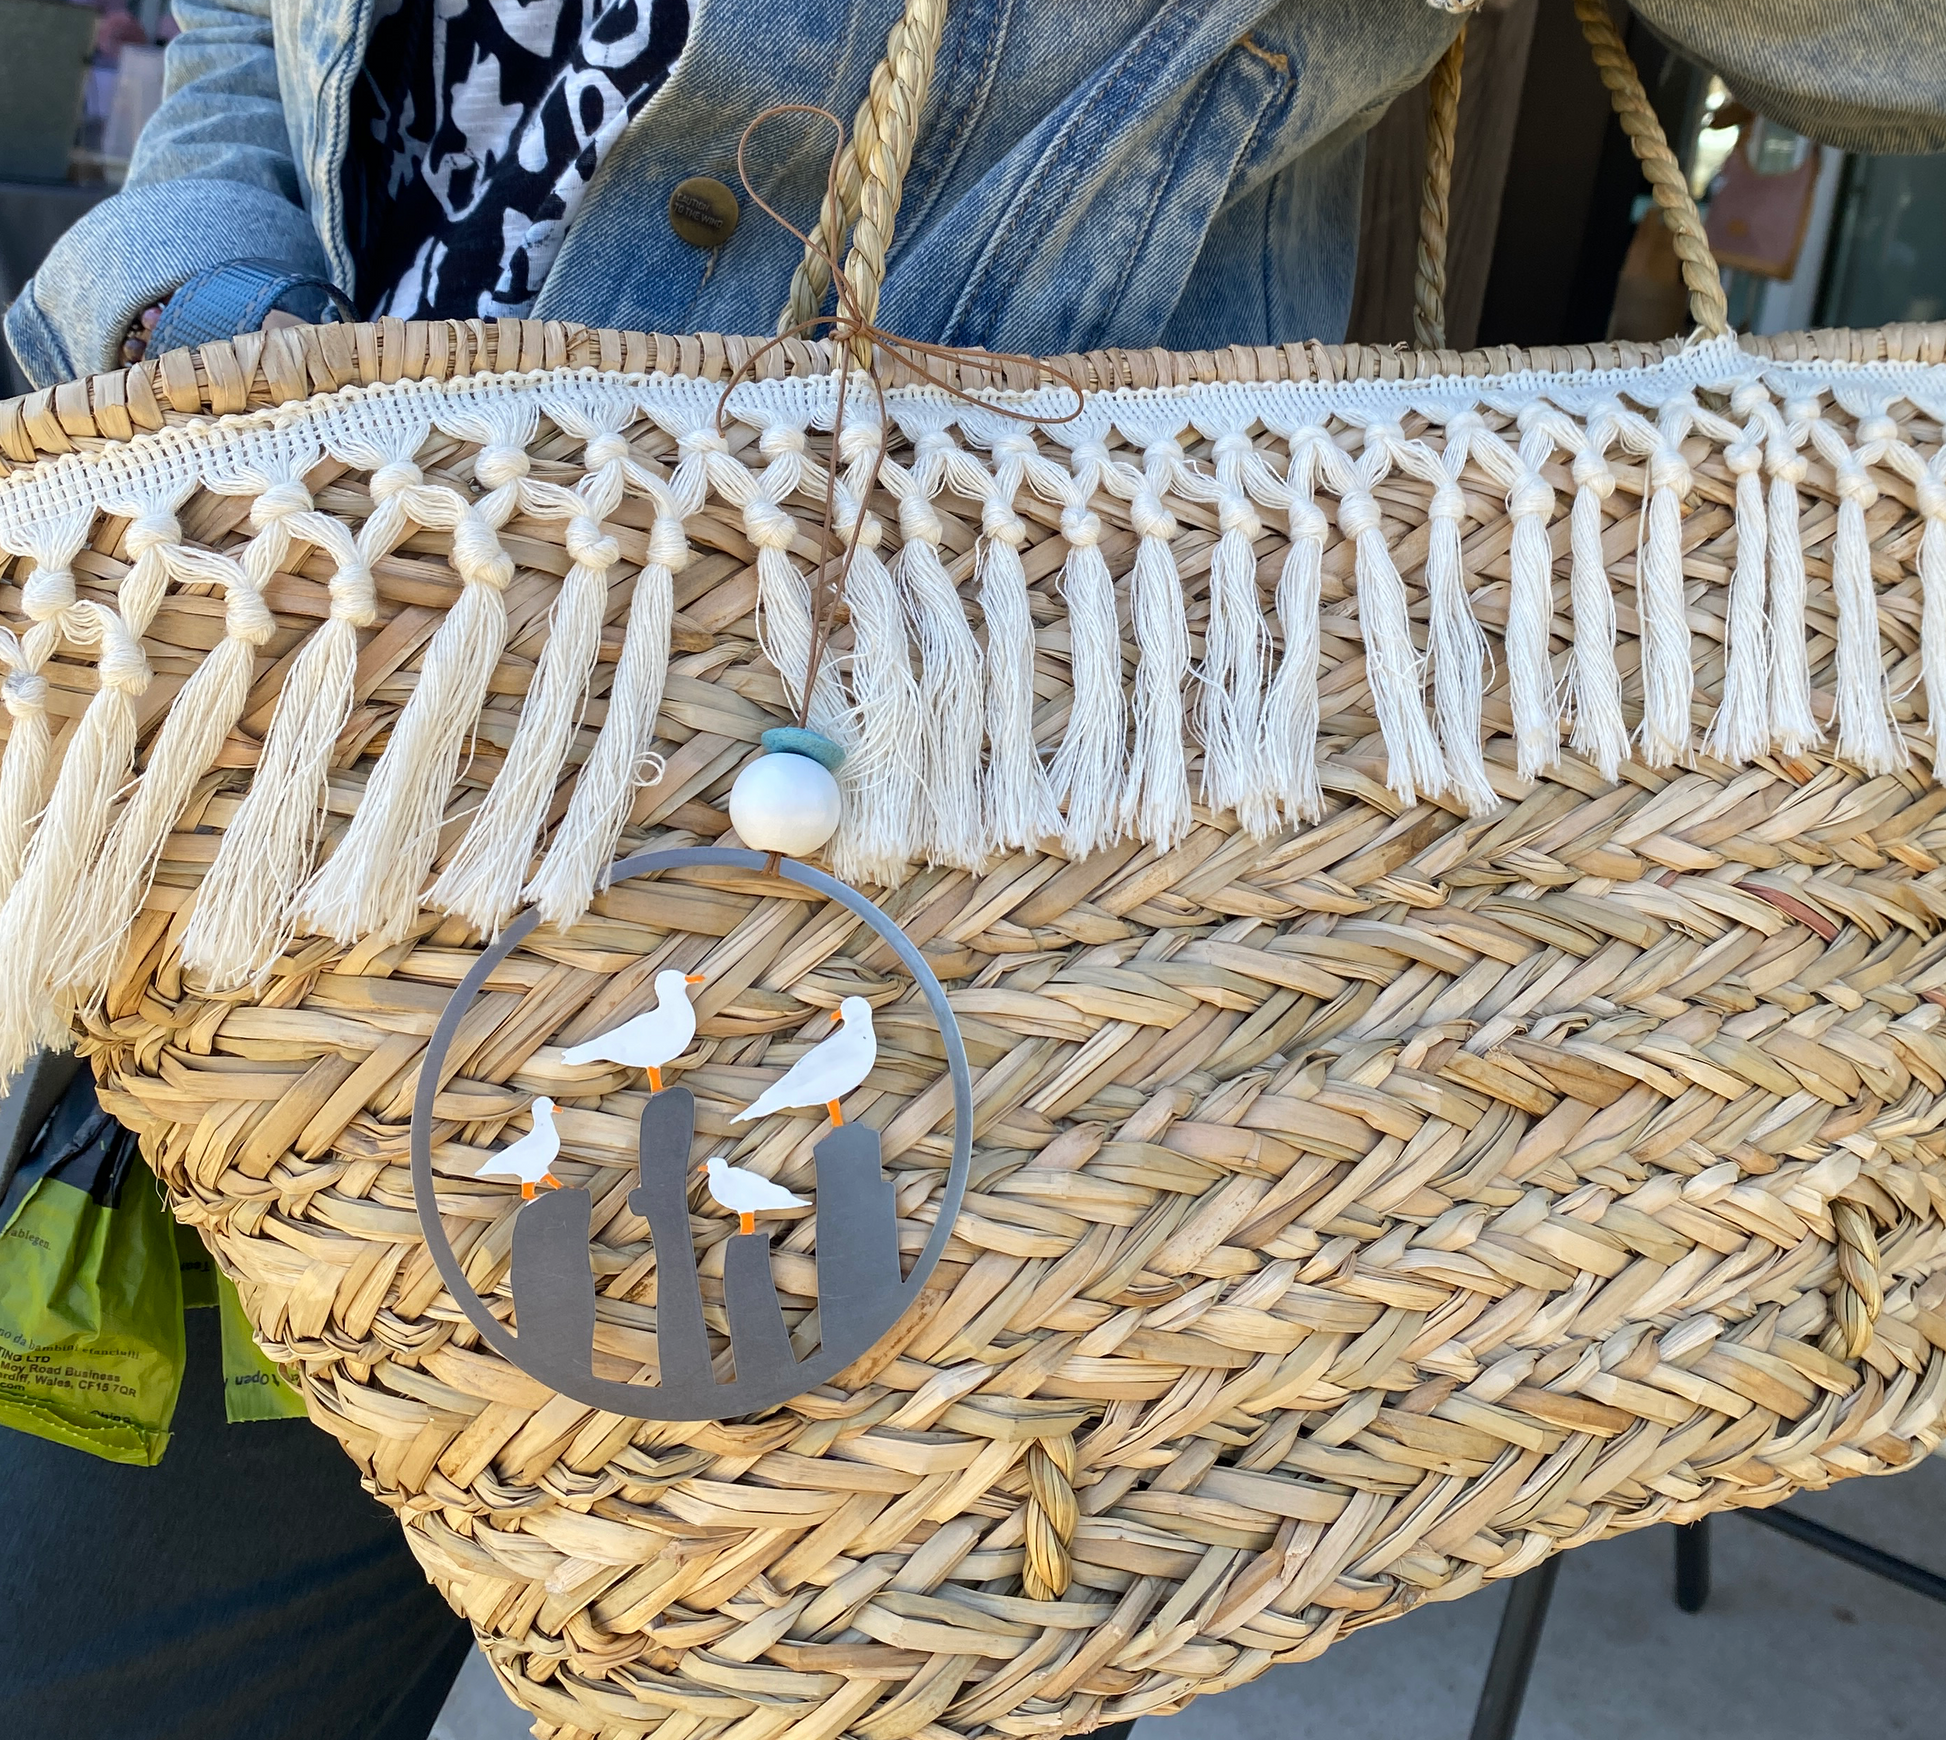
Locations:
column 784, row 803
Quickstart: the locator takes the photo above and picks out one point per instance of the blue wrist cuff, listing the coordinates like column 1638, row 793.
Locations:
column 221, row 301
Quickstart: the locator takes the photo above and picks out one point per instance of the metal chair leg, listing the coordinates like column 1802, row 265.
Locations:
column 1868, row 1558
column 1513, row 1652
column 1693, row 1565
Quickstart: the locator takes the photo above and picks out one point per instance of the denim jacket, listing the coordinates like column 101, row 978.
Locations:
column 1088, row 172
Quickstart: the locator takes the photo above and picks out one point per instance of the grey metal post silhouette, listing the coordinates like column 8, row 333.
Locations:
column 553, row 1287
column 758, row 1338
column 662, row 1199
column 858, row 1234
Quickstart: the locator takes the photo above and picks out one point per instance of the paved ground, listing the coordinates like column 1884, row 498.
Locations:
column 1793, row 1643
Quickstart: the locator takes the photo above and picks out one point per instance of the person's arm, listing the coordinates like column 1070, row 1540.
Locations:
column 212, row 179
column 1864, row 75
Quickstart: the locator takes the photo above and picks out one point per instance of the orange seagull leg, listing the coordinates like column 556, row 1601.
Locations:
column 526, row 1193
column 836, row 1111
column 551, row 1181
column 655, row 1079
column 746, row 1223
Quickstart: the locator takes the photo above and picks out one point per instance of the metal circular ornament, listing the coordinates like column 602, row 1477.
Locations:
column 556, row 1343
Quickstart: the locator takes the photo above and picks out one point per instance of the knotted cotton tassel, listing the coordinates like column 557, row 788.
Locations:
column 1459, row 654
column 97, row 762
column 199, row 720
column 783, row 593
column 883, row 822
column 584, row 843
column 1290, row 721
column 784, row 621
column 23, row 771
column 100, row 756
column 1021, row 810
column 1792, row 723
column 370, row 885
column 1741, row 728
column 1929, row 493
column 1867, row 733
column 47, row 595
column 1236, row 646
column 949, row 678
column 483, row 880
column 1156, row 803
column 246, row 907
column 1394, row 669
column 1530, row 624
column 1668, row 680
column 1600, row 731
column 1087, row 772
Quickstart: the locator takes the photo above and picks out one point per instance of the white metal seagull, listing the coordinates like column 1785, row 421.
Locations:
column 528, row 1159
column 746, row 1194
column 653, row 1038
column 825, row 1073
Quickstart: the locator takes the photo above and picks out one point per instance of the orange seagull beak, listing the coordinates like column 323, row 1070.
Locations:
column 695, row 979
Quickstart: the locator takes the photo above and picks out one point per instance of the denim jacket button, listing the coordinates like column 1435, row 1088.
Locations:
column 703, row 212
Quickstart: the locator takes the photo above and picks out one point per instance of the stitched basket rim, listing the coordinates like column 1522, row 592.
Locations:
column 256, row 370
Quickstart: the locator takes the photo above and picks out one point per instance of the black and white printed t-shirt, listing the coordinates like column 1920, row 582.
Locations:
column 475, row 129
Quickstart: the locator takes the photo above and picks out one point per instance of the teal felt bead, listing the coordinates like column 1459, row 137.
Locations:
column 801, row 740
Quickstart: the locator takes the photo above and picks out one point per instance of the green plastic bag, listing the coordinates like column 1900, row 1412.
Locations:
column 199, row 1271
column 254, row 1386
column 91, row 1337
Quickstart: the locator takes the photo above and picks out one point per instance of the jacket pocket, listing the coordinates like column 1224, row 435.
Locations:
column 1084, row 234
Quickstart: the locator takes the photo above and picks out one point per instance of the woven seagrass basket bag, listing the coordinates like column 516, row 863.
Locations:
column 1398, row 895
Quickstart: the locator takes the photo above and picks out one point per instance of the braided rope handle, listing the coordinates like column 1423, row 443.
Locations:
column 1442, row 125
column 1707, row 304
column 871, row 170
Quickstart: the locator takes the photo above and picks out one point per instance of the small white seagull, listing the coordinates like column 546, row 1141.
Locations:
column 528, row 1159
column 653, row 1038
column 746, row 1194
column 825, row 1073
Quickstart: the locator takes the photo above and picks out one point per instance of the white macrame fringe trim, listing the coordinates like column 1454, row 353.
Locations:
column 924, row 655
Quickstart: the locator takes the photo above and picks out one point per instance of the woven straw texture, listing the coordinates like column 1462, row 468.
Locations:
column 1364, row 1206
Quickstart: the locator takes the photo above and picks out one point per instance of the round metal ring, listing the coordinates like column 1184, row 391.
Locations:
column 646, row 1401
